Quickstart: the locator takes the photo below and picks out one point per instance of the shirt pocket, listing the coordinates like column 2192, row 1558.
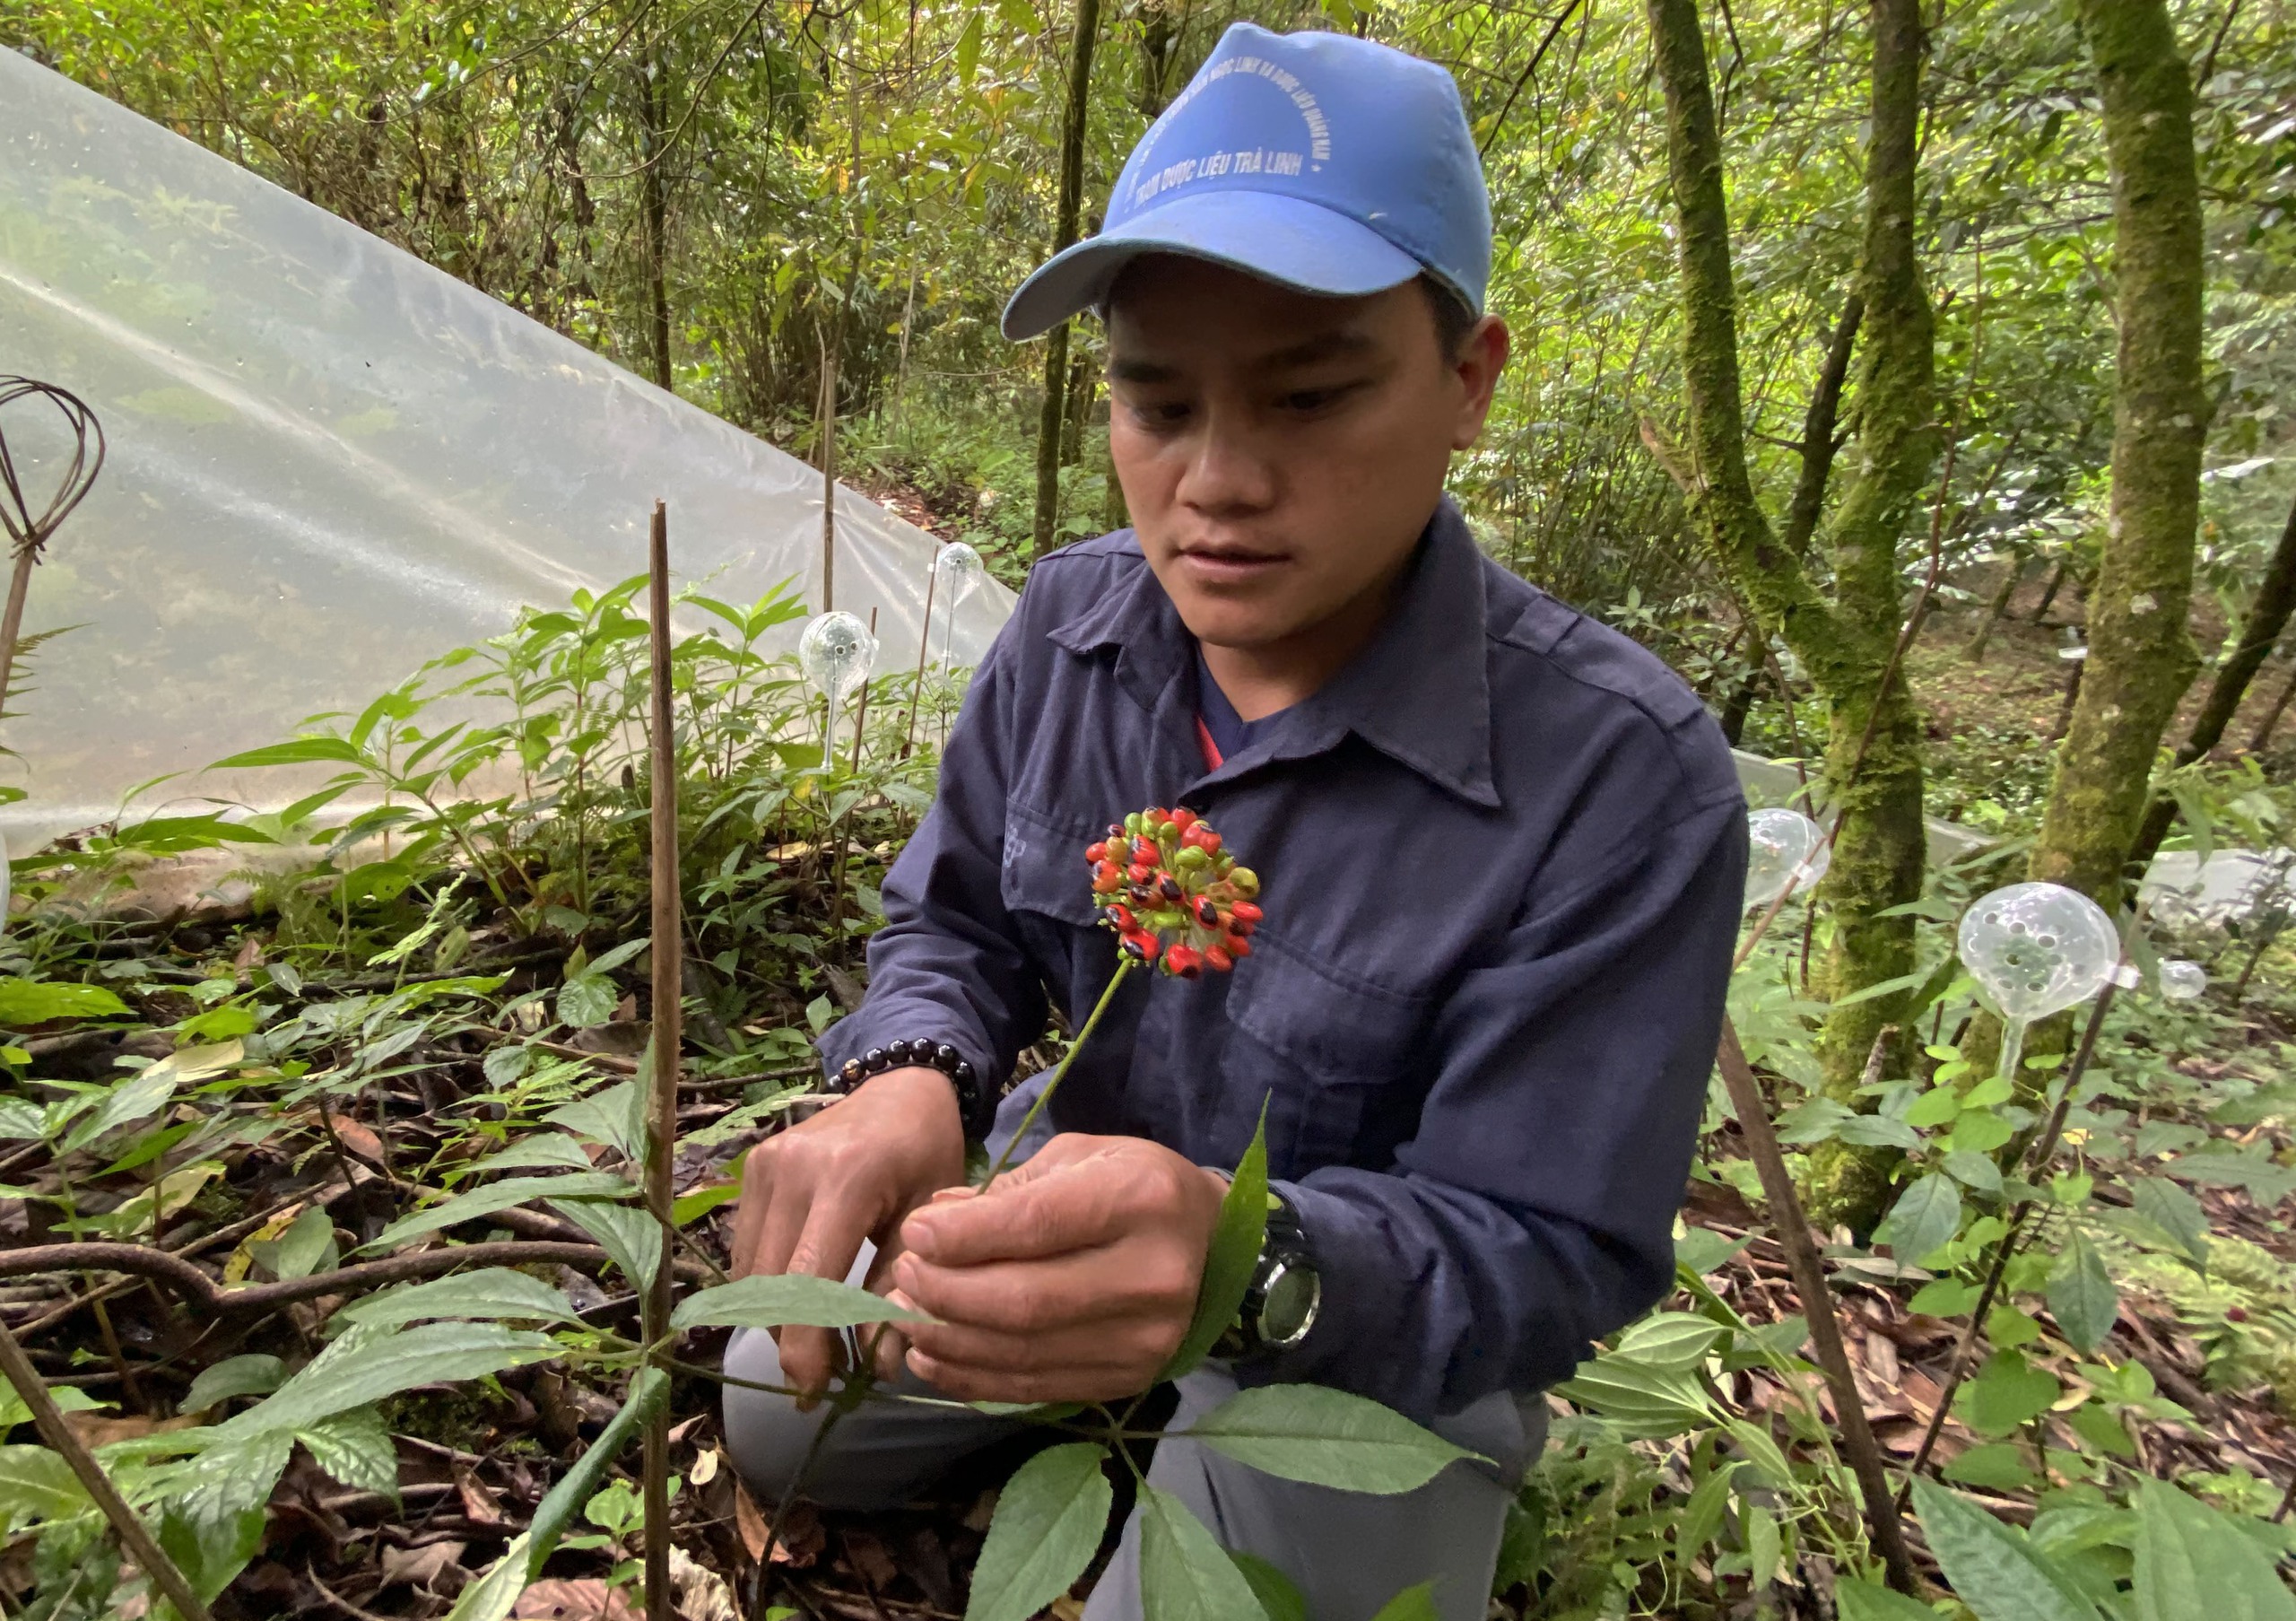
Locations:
column 1043, row 869
column 1333, row 1056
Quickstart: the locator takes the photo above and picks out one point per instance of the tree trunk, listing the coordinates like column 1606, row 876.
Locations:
column 1818, row 444
column 2268, row 613
column 1995, row 610
column 2049, row 592
column 2270, row 722
column 1067, row 208
column 656, row 210
column 2141, row 656
column 1873, row 763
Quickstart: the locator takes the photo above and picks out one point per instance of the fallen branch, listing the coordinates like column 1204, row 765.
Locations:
column 195, row 1288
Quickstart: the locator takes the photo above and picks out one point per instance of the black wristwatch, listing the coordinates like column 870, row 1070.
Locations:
column 1284, row 1297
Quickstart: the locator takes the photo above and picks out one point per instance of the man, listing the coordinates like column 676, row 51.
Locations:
column 1501, row 851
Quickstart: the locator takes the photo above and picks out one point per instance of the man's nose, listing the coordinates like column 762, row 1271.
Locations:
column 1229, row 470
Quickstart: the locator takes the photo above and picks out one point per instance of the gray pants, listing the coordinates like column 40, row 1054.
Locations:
column 1348, row 1552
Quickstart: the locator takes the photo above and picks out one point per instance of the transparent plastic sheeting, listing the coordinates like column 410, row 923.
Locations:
column 330, row 462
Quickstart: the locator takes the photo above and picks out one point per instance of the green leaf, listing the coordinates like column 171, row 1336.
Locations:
column 308, row 1245
column 1650, row 1403
column 253, row 1374
column 491, row 1596
column 790, row 1299
column 2176, row 1213
column 36, row 1002
column 1765, row 1546
column 1677, row 1341
column 364, row 1366
column 543, row 1150
column 1326, row 1437
column 36, row 1484
column 1185, row 1575
column 1990, row 1565
column 587, row 1001
column 2006, row 1393
column 629, row 1234
column 1934, row 1107
column 301, row 751
column 1859, row 1600
column 1944, row 1298
column 1234, row 1254
column 489, row 1294
column 614, row 1115
column 1046, row 1529
column 1762, row 1452
column 2081, row 1294
column 1701, row 1516
column 689, row 1207
column 2195, row 1563
column 1276, row 1592
column 969, row 49
column 211, row 1518
column 148, row 1091
column 1924, row 1218
column 1998, row 1465
column 500, row 1196
column 1973, row 1169
column 356, row 1449
column 1415, row 1603
column 1701, row 1250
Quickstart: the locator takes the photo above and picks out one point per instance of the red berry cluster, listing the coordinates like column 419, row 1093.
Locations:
column 1172, row 895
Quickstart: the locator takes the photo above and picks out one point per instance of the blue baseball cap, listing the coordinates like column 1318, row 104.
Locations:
column 1324, row 163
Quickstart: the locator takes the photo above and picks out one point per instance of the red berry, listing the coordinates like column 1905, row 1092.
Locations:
column 1140, row 872
column 1207, row 914
column 1238, row 947
column 1120, row 914
column 1141, row 944
column 1096, row 853
column 1169, row 887
column 1245, row 913
column 2236, row 1314
column 1142, row 851
column 1183, row 819
column 1208, row 840
column 1106, row 878
column 1183, row 961
column 1217, row 959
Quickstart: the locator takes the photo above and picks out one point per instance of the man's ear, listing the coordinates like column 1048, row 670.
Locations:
column 1482, row 357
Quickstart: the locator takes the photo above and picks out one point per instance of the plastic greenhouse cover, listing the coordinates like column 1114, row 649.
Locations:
column 329, row 463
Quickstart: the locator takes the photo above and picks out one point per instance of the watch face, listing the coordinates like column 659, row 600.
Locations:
column 1294, row 1293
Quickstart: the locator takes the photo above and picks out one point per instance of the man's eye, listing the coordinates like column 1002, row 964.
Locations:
column 1160, row 413
column 1314, row 399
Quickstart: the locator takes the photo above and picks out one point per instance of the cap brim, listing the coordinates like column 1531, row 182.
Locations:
column 1276, row 238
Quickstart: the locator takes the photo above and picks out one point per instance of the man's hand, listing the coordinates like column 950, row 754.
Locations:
column 811, row 1194
column 1073, row 1278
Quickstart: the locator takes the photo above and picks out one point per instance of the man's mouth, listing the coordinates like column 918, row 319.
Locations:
column 1229, row 565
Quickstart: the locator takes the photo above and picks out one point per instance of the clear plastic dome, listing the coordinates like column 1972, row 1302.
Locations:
column 837, row 653
column 1786, row 848
column 2180, row 981
column 2036, row 949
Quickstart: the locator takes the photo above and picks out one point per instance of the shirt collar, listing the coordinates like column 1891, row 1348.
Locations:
column 1419, row 692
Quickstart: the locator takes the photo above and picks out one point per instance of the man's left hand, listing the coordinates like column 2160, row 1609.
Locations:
column 1073, row 1278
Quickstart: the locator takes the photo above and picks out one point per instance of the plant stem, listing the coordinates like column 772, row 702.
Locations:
column 668, row 959
column 134, row 1540
column 1123, row 967
column 1793, row 1228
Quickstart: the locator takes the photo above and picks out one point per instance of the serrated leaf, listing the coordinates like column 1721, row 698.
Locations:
column 1924, row 1218
column 356, row 1449
column 1326, row 1437
column 1973, row 1169
column 1228, row 1265
column 552, row 1150
column 2176, row 1212
column 488, row 1295
column 2081, row 1294
column 212, row 1514
column 587, row 1001
column 498, row 1196
column 21, row 1122
column 1677, row 1341
column 364, row 1366
column 789, row 1299
column 1185, row 1575
column 2193, row 1564
column 614, row 1115
column 253, row 1374
column 36, row 1486
column 1990, row 1565
column 628, row 1233
column 2006, row 1393
column 1046, row 1529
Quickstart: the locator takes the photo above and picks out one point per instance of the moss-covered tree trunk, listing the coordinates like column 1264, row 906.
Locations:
column 1873, row 760
column 1066, row 209
column 2141, row 656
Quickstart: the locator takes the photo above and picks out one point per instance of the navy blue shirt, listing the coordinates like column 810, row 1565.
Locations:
column 1501, row 856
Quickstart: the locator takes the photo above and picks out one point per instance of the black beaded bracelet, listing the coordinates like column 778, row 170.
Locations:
column 925, row 1054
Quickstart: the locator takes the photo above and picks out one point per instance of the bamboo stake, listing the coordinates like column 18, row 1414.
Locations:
column 924, row 642
column 1882, row 1513
column 668, row 960
column 134, row 1540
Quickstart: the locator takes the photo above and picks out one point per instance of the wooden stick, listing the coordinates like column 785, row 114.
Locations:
column 134, row 1540
column 668, row 958
column 1881, row 1515
column 924, row 644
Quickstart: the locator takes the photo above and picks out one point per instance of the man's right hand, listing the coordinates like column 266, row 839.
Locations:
column 811, row 1194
